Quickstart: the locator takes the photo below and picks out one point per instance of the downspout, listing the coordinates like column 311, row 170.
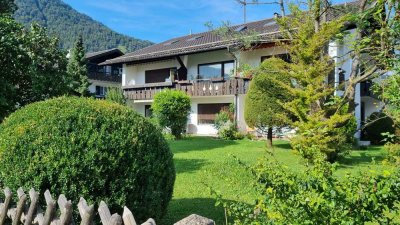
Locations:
column 236, row 94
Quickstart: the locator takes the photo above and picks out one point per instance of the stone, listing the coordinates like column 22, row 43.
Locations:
column 195, row 220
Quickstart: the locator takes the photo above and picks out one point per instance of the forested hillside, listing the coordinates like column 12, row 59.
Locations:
column 66, row 23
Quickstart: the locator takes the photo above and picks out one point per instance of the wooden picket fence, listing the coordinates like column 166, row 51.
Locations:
column 22, row 214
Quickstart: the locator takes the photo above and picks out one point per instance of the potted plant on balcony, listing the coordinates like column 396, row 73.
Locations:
column 245, row 71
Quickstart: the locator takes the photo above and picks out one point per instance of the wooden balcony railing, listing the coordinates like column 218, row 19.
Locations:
column 192, row 88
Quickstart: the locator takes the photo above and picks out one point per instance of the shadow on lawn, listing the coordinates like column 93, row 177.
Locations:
column 198, row 144
column 181, row 208
column 188, row 165
column 360, row 157
column 282, row 145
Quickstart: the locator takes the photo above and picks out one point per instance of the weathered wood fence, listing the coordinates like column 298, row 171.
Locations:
column 21, row 213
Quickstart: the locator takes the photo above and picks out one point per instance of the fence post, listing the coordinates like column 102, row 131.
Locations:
column 20, row 207
column 4, row 206
column 128, row 217
column 66, row 210
column 86, row 212
column 34, row 196
column 50, row 210
column 106, row 217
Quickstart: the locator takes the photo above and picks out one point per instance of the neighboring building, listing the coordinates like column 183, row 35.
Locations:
column 206, row 67
column 102, row 77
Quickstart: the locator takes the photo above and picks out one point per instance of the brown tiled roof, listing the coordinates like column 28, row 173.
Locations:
column 268, row 29
column 92, row 55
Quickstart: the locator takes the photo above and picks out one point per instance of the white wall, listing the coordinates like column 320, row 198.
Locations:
column 339, row 53
column 204, row 129
column 253, row 57
column 94, row 83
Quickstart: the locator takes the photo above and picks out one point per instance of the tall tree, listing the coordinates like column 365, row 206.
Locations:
column 33, row 66
column 14, row 63
column 48, row 68
column 77, row 69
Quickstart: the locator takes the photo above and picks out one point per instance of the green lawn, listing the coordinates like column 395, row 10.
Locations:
column 203, row 162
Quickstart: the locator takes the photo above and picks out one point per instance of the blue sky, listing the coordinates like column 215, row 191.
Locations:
column 160, row 20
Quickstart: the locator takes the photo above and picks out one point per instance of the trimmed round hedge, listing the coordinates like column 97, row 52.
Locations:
column 88, row 148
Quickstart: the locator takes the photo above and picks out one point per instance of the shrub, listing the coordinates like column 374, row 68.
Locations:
column 171, row 108
column 377, row 124
column 229, row 131
column 320, row 138
column 116, row 95
column 225, row 124
column 316, row 196
column 91, row 148
column 224, row 116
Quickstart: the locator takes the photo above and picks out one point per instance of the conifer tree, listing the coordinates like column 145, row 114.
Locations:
column 77, row 69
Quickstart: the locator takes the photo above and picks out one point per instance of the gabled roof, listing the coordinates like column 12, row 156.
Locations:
column 93, row 55
column 268, row 29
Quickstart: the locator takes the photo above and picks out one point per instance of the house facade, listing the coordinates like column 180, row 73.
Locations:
column 102, row 77
column 206, row 67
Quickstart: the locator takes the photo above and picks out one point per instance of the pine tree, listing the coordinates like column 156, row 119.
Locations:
column 77, row 69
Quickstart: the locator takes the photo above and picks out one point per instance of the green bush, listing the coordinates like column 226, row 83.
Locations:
column 316, row 196
column 393, row 152
column 171, row 108
column 225, row 124
column 115, row 94
column 92, row 148
column 377, row 124
column 224, row 116
column 229, row 131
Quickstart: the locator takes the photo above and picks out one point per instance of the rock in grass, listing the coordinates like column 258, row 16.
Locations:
column 195, row 220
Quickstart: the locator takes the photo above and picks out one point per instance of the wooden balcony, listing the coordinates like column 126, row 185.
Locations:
column 192, row 88
column 105, row 77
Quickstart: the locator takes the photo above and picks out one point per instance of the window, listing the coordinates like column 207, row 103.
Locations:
column 342, row 79
column 284, row 57
column 206, row 112
column 101, row 91
column 158, row 76
column 148, row 111
column 215, row 70
column 108, row 70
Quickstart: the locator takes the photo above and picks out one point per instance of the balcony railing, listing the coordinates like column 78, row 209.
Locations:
column 192, row 88
column 105, row 77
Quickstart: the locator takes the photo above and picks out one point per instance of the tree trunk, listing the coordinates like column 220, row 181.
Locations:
column 269, row 137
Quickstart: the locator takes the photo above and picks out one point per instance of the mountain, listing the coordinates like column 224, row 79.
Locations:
column 66, row 23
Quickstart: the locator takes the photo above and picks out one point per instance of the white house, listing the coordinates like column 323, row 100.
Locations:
column 206, row 67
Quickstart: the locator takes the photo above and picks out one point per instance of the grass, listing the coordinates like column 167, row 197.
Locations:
column 202, row 163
